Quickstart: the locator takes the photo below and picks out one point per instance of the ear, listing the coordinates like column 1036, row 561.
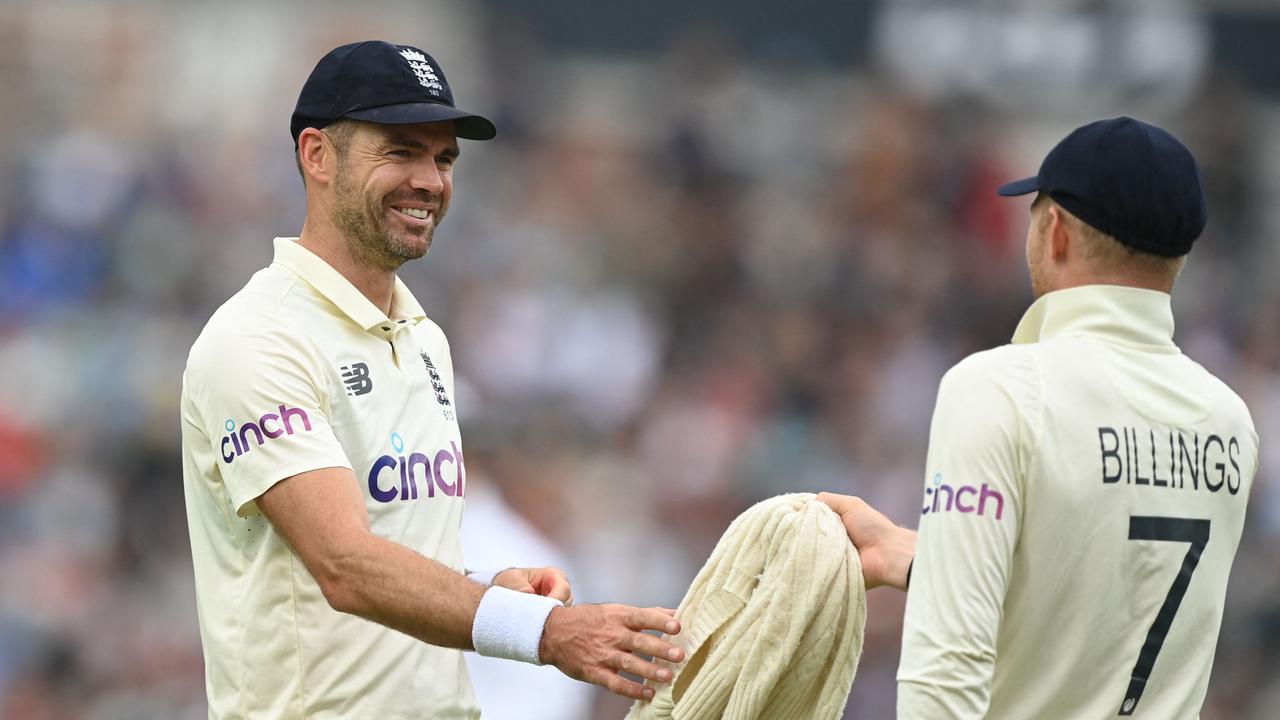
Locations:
column 317, row 156
column 1057, row 238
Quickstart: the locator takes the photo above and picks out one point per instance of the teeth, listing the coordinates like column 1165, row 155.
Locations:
column 416, row 213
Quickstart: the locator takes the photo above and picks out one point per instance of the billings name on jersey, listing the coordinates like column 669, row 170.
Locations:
column 1169, row 458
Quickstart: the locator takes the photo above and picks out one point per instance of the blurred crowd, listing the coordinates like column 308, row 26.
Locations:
column 675, row 284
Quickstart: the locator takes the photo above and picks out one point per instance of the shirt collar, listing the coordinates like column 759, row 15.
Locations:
column 330, row 283
column 1127, row 315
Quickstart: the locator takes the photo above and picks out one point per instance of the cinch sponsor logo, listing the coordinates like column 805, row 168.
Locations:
column 444, row 470
column 945, row 498
column 268, row 427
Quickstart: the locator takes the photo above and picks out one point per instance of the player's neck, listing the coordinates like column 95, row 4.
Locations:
column 1087, row 276
column 375, row 283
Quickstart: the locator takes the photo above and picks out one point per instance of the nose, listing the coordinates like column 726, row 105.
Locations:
column 428, row 176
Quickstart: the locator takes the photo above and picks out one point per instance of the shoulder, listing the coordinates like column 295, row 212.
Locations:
column 996, row 391
column 990, row 410
column 435, row 344
column 1227, row 399
column 255, row 328
column 1008, row 369
column 431, row 333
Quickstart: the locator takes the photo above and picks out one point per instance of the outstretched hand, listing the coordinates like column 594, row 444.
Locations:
column 596, row 643
column 884, row 549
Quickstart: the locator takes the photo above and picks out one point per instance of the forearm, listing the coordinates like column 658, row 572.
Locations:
column 321, row 514
column 388, row 583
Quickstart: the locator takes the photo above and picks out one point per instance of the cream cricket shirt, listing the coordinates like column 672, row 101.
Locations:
column 299, row 371
column 1083, row 501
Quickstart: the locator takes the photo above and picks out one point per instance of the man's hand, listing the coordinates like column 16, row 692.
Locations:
column 595, row 643
column 547, row 581
column 885, row 549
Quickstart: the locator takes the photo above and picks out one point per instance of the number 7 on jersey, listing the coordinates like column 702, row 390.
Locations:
column 1166, row 529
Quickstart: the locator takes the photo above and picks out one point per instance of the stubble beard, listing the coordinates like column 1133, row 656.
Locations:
column 362, row 220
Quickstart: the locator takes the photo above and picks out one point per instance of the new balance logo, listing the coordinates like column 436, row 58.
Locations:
column 356, row 377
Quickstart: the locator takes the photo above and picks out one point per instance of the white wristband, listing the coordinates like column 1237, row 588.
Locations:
column 509, row 624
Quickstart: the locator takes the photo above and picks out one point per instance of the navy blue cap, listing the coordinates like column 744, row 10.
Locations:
column 1128, row 179
column 382, row 83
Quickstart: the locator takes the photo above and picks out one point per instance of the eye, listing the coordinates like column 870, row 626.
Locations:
column 400, row 153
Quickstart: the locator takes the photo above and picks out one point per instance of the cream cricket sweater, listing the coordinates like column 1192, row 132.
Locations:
column 773, row 622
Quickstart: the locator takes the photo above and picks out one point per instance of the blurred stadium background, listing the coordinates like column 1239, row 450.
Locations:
column 720, row 250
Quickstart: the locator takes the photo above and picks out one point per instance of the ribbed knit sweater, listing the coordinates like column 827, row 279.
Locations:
column 773, row 623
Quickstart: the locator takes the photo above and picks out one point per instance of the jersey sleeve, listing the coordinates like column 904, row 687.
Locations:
column 263, row 406
column 978, row 446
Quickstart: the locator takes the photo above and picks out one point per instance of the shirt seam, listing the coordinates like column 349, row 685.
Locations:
column 293, row 577
column 313, row 352
column 297, row 633
column 242, row 626
column 1037, row 433
column 289, row 289
column 227, row 508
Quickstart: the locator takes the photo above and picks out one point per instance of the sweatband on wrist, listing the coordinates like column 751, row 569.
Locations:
column 509, row 624
column 484, row 577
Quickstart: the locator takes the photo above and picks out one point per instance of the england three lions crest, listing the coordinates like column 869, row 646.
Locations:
column 437, row 384
column 422, row 69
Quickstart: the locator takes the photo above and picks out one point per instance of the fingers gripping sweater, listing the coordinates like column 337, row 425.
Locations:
column 773, row 622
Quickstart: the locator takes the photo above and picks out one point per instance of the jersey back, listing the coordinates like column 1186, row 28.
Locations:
column 1076, row 553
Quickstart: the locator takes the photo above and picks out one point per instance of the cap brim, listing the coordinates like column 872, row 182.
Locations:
column 467, row 126
column 1019, row 187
